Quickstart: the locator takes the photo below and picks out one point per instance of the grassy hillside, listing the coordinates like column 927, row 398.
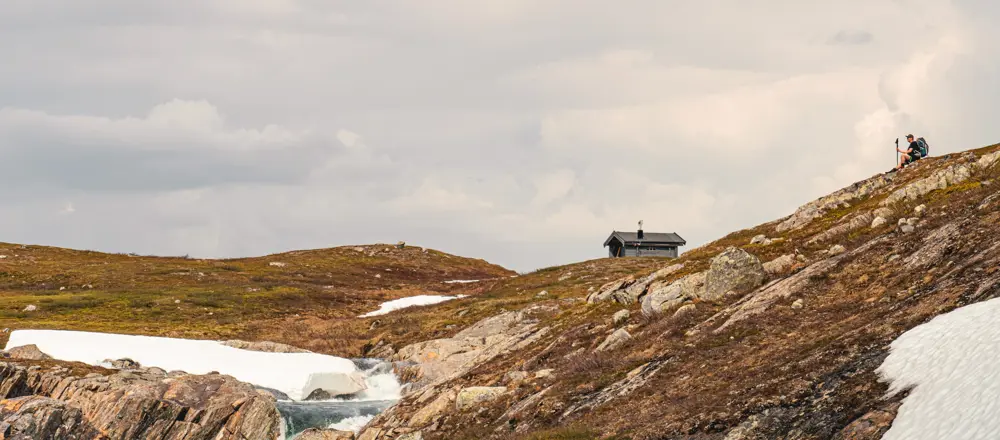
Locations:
column 199, row 298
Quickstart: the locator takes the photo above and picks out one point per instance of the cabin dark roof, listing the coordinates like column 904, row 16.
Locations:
column 647, row 237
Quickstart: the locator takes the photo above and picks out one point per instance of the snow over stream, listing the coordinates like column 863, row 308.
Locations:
column 952, row 364
column 370, row 384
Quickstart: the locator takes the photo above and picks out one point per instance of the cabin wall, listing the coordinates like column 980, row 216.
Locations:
column 650, row 251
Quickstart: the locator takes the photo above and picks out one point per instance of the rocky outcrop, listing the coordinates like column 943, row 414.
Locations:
column 940, row 179
column 620, row 317
column 857, row 222
column 629, row 290
column 935, row 246
column 264, row 346
column 819, row 207
column 762, row 299
column 734, row 270
column 137, row 404
column 442, row 359
column 664, row 296
column 28, row 352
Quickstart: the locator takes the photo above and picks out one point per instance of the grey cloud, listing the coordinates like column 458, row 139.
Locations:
column 852, row 37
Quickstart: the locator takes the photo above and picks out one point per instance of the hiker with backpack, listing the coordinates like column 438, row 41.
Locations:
column 916, row 151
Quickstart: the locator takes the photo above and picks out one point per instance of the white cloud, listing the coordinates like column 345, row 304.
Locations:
column 522, row 131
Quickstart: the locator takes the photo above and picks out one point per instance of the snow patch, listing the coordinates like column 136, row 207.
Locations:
column 950, row 365
column 295, row 374
column 402, row 303
column 461, row 281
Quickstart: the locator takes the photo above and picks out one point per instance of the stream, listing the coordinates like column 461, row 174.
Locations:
column 350, row 414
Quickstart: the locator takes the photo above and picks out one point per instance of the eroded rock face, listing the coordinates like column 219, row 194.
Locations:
column 138, row 404
column 442, row 359
column 940, row 179
column 733, row 270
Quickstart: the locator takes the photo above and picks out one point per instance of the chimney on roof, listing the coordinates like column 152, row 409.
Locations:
column 639, row 235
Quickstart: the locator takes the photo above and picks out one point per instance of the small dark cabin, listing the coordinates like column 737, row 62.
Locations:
column 643, row 244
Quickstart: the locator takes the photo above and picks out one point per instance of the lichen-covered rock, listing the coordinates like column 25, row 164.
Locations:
column 475, row 396
column 614, row 340
column 733, row 270
column 629, row 290
column 426, row 415
column 36, row 417
column 837, row 249
column 758, row 239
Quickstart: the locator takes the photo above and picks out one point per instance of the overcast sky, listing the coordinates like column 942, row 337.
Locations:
column 519, row 131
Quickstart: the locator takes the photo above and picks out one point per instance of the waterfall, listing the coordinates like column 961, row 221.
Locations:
column 345, row 414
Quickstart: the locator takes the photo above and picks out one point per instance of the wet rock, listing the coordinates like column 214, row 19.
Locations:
column 28, row 352
column 614, row 340
column 620, row 317
column 324, row 434
column 837, row 249
column 475, row 396
column 733, row 270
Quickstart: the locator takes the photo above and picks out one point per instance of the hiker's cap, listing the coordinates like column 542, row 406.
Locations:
column 909, row 136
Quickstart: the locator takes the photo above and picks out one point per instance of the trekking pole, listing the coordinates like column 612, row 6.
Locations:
column 897, row 151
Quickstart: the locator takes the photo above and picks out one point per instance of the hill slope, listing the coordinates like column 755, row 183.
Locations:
column 233, row 298
column 716, row 345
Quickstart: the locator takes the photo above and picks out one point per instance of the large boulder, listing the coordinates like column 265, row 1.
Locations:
column 733, row 270
column 475, row 396
column 28, row 352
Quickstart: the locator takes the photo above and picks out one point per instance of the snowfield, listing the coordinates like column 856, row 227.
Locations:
column 951, row 363
column 402, row 303
column 295, row 374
